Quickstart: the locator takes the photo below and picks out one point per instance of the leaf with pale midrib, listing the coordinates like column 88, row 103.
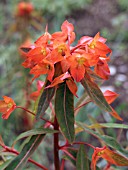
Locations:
column 97, row 96
column 20, row 161
column 64, row 109
column 43, row 100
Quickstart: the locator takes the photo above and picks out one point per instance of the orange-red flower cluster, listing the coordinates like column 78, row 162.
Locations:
column 24, row 8
column 89, row 54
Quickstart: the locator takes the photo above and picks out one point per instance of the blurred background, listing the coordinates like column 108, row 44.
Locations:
column 22, row 27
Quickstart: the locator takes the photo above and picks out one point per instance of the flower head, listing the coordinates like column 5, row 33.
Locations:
column 24, row 8
column 7, row 106
column 49, row 50
column 110, row 156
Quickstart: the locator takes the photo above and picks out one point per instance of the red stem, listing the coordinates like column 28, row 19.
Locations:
column 8, row 149
column 56, row 146
column 37, row 164
column 82, row 105
column 84, row 143
column 68, row 153
column 62, row 164
column 20, row 107
column 74, row 143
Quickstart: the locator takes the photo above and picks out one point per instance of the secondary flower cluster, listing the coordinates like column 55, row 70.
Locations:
column 24, row 9
column 89, row 55
column 7, row 106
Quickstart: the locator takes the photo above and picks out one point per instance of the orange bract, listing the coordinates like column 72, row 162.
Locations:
column 7, row 106
column 102, row 69
column 111, row 156
column 72, row 86
column 110, row 96
column 59, row 79
column 65, row 77
column 97, row 45
column 45, row 67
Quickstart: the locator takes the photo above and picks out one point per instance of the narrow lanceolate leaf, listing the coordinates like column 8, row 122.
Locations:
column 93, row 120
column 108, row 125
column 97, row 96
column 82, row 160
column 5, row 164
column 64, row 109
column 32, row 132
column 20, row 161
column 43, row 100
column 108, row 140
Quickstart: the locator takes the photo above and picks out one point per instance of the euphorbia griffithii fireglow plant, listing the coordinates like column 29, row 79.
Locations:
column 65, row 65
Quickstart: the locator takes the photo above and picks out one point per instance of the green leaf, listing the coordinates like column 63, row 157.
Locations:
column 32, row 132
column 44, row 99
column 97, row 96
column 109, row 141
column 64, row 109
column 5, row 164
column 108, row 125
column 93, row 120
column 20, row 161
column 26, row 140
column 82, row 160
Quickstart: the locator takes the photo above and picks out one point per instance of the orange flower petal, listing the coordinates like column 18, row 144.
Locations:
column 8, row 112
column 78, row 72
column 72, row 86
column 102, row 69
column 59, row 79
column 110, row 96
